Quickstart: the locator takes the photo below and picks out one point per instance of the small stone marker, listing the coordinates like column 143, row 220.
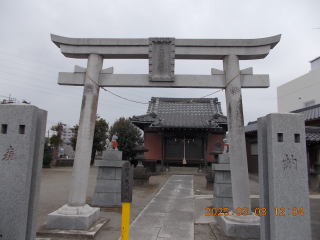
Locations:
column 126, row 198
column 283, row 177
column 126, row 182
column 22, row 131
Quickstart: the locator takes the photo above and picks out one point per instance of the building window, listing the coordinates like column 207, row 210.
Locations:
column 309, row 103
column 254, row 148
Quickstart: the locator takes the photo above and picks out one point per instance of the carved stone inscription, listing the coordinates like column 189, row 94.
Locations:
column 9, row 154
column 89, row 88
column 289, row 163
column 161, row 59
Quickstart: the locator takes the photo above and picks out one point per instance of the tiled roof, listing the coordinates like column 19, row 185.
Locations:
column 312, row 133
column 251, row 127
column 312, row 137
column 179, row 112
column 310, row 113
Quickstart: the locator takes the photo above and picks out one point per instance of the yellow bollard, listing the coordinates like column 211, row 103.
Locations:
column 125, row 221
column 126, row 198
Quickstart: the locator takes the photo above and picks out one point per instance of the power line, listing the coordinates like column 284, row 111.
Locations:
column 81, row 95
column 55, row 77
column 27, row 66
column 35, row 61
column 28, row 71
column 28, row 77
column 63, row 96
column 38, row 86
column 69, row 70
column 25, row 50
column 62, row 91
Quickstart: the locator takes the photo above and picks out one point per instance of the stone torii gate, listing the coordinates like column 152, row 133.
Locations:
column 161, row 53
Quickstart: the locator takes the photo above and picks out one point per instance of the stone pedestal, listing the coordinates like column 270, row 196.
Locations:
column 222, row 191
column 140, row 177
column 22, row 131
column 107, row 192
column 210, row 180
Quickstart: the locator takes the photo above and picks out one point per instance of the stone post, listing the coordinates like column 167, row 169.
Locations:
column 284, row 192
column 80, row 174
column 236, row 137
column 22, row 130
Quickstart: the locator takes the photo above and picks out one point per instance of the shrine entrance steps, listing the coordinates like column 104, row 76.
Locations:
column 169, row 215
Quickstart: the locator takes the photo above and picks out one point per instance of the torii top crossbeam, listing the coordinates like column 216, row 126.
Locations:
column 138, row 48
column 162, row 53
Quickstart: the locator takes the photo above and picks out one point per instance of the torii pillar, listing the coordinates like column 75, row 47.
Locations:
column 240, row 222
column 236, row 135
column 77, row 214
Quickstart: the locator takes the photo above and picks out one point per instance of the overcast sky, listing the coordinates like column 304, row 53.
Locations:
column 30, row 62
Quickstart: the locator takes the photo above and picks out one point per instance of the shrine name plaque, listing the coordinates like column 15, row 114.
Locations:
column 161, row 59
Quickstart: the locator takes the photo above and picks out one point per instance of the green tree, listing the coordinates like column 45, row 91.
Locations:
column 47, row 154
column 128, row 135
column 56, row 141
column 99, row 138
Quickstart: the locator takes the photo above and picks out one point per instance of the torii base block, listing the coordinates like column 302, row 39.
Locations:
column 238, row 229
column 76, row 222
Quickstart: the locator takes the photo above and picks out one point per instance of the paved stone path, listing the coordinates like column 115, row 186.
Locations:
column 169, row 215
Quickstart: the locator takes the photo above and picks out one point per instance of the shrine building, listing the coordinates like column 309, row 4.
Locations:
column 175, row 128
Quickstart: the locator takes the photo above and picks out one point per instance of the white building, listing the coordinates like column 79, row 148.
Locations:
column 301, row 92
column 67, row 134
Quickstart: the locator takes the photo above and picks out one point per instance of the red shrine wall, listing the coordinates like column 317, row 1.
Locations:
column 212, row 140
column 153, row 142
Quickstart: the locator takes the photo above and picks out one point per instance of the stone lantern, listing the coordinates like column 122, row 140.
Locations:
column 140, row 177
column 218, row 150
column 210, row 176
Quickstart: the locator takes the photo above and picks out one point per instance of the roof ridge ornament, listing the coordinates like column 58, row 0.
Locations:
column 153, row 114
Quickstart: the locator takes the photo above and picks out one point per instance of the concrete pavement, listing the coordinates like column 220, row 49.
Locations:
column 55, row 189
column 169, row 215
